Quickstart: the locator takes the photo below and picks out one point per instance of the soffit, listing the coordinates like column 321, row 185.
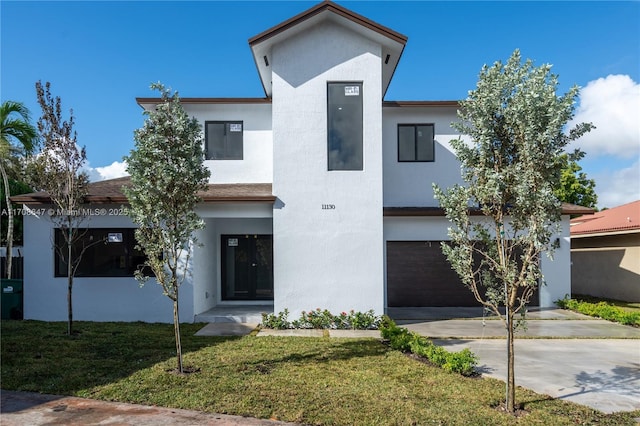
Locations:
column 391, row 41
column 110, row 192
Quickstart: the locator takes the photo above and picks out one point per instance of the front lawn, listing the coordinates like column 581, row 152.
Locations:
column 327, row 381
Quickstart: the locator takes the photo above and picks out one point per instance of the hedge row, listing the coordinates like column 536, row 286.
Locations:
column 463, row 362
column 602, row 310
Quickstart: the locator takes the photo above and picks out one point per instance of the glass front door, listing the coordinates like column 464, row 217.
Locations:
column 247, row 267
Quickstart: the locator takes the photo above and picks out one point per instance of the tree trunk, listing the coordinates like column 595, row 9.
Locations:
column 9, row 262
column 511, row 381
column 69, row 288
column 176, row 330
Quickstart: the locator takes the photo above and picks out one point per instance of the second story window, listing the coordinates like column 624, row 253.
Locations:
column 415, row 142
column 223, row 140
column 344, row 126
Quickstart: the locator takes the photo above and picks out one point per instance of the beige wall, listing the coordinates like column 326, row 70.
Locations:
column 606, row 266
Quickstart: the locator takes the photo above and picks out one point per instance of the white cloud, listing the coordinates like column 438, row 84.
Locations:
column 612, row 104
column 620, row 187
column 114, row 170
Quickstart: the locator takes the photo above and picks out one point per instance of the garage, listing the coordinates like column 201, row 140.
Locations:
column 418, row 274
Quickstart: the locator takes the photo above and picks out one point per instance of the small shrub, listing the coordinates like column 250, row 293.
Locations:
column 277, row 322
column 323, row 319
column 363, row 320
column 315, row 319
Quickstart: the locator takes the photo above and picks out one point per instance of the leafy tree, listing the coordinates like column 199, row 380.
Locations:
column 575, row 187
column 167, row 171
column 18, row 138
column 511, row 164
column 58, row 171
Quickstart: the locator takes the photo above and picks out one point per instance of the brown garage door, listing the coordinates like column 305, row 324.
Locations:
column 418, row 274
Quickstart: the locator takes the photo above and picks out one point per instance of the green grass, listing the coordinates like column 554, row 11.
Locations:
column 325, row 381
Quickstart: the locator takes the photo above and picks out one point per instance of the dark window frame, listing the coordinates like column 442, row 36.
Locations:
column 331, row 166
column 227, row 124
column 415, row 144
column 133, row 258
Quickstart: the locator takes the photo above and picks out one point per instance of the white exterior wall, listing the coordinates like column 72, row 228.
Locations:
column 557, row 271
column 257, row 151
column 95, row 298
column 330, row 259
column 409, row 184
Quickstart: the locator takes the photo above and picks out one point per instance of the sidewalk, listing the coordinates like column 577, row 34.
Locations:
column 28, row 408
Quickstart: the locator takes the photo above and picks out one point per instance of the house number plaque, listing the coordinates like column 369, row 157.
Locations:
column 328, row 207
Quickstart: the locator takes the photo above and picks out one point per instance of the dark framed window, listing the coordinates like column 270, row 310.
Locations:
column 108, row 252
column 223, row 140
column 344, row 126
column 416, row 142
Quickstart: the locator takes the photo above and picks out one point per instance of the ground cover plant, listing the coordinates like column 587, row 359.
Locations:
column 322, row 381
column 622, row 312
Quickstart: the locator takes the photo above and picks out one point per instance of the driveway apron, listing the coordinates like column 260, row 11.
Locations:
column 565, row 355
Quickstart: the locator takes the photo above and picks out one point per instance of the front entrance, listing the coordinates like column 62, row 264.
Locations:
column 247, row 267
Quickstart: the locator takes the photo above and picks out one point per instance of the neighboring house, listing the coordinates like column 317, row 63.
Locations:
column 320, row 194
column 605, row 253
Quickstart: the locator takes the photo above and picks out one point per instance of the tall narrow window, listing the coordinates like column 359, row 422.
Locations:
column 344, row 126
column 415, row 142
column 223, row 140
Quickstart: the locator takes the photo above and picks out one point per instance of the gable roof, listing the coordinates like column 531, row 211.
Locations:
column 621, row 219
column 110, row 192
column 392, row 42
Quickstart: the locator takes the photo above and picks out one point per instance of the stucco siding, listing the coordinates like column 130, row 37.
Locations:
column 257, row 163
column 409, row 184
column 607, row 266
column 94, row 299
column 328, row 258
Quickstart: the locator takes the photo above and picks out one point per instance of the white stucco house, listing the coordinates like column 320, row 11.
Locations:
column 320, row 194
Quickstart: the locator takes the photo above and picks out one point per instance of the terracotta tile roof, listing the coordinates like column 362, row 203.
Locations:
column 618, row 219
column 110, row 192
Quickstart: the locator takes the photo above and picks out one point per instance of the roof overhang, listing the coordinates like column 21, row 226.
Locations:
column 567, row 209
column 150, row 103
column 391, row 41
column 111, row 192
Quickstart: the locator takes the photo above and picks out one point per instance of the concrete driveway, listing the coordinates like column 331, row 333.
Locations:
column 566, row 355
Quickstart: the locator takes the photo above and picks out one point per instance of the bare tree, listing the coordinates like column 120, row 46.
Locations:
column 57, row 169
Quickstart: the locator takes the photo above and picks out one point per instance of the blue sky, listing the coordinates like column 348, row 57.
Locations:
column 100, row 56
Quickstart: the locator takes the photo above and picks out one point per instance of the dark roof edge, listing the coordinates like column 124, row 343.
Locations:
column 335, row 8
column 213, row 100
column 567, row 209
column 408, row 104
column 141, row 101
column 45, row 200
